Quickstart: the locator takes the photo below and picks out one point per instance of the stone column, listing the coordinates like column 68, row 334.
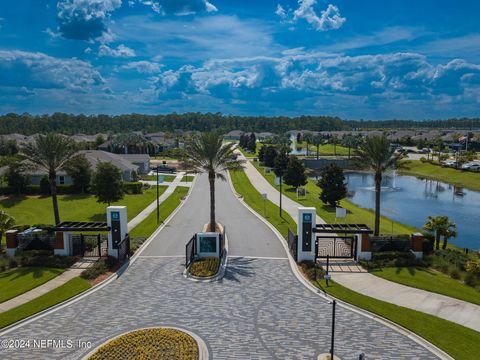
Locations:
column 417, row 245
column 306, row 237
column 117, row 221
column 364, row 249
column 62, row 244
column 12, row 242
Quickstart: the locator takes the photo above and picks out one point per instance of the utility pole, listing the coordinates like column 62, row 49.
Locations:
column 332, row 345
column 158, row 201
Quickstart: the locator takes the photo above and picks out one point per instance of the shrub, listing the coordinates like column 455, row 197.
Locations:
column 423, row 159
column 44, row 186
column 205, row 267
column 312, row 271
column 472, row 280
column 133, row 187
column 99, row 268
column 455, row 274
column 44, row 258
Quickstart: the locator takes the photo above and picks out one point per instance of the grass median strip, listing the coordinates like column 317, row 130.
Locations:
column 254, row 199
column 456, row 340
column 430, row 280
column 456, row 177
column 20, row 280
column 66, row 291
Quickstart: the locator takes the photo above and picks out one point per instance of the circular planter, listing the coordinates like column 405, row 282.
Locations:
column 153, row 343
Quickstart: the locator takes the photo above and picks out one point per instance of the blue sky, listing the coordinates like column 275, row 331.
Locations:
column 354, row 59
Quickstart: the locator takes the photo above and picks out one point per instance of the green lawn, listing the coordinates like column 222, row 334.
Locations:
column 430, row 280
column 355, row 214
column 249, row 154
column 149, row 225
column 253, row 198
column 458, row 341
column 62, row 293
column 456, row 177
column 327, row 149
column 154, row 177
column 38, row 209
column 20, row 280
column 188, row 178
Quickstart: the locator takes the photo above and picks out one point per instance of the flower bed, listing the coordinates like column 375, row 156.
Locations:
column 205, row 267
column 155, row 343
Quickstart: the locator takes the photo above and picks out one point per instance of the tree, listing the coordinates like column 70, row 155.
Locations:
column 261, row 153
column 50, row 153
column 377, row 155
column 16, row 179
column 99, row 140
column 295, row 173
column 80, row 169
column 208, row 154
column 252, row 143
column 307, row 138
column 317, row 141
column 269, row 157
column 280, row 163
column 334, row 142
column 6, row 222
column 8, row 147
column 107, row 183
column 441, row 226
column 350, row 142
column 333, row 185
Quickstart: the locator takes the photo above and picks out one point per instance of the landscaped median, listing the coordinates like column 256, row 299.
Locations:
column 204, row 268
column 458, row 341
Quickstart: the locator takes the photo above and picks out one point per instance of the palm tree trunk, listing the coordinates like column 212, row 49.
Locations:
column 445, row 241
column 53, row 190
column 437, row 241
column 349, row 149
column 211, row 179
column 378, row 190
column 318, row 145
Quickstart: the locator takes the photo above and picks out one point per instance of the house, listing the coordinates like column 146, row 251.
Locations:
column 233, row 135
column 83, row 138
column 125, row 163
column 262, row 136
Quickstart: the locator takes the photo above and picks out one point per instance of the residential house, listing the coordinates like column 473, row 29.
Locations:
column 233, row 135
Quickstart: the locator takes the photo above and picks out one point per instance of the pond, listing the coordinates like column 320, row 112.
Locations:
column 411, row 200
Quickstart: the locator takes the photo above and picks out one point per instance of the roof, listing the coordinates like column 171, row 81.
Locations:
column 136, row 157
column 343, row 228
column 96, row 156
column 235, row 133
column 81, row 226
column 85, row 138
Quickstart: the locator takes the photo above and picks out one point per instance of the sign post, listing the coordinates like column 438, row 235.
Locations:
column 264, row 197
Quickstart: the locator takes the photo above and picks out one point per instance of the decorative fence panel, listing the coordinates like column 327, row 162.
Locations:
column 190, row 251
column 390, row 243
column 292, row 243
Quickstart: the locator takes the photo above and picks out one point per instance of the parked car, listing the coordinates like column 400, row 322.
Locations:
column 165, row 169
column 471, row 166
column 451, row 163
column 425, row 151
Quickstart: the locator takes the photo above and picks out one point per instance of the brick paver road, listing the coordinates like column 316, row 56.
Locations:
column 258, row 311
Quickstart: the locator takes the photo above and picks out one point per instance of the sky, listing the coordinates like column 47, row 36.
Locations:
column 369, row 59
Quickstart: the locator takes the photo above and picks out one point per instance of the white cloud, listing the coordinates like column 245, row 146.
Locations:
column 281, row 11
column 329, row 19
column 40, row 71
column 120, row 52
column 143, row 66
column 85, row 19
column 177, row 7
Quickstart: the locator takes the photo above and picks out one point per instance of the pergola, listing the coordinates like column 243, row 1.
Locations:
column 343, row 228
column 82, row 226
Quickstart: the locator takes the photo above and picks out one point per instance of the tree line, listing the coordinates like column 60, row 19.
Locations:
column 69, row 124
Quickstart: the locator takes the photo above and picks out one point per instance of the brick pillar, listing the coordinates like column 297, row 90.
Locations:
column 417, row 245
column 12, row 241
column 364, row 249
column 61, row 246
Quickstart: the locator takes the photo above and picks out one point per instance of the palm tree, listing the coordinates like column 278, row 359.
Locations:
column 317, row 141
column 377, row 154
column 207, row 154
column 6, row 222
column 441, row 226
column 50, row 153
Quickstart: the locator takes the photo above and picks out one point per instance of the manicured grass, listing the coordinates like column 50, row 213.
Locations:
column 458, row 341
column 456, row 177
column 188, row 178
column 38, row 209
column 253, row 198
column 205, row 267
column 154, row 177
column 56, row 296
column 20, row 280
column 355, row 214
column 430, row 280
column 327, row 149
column 149, row 225
column 249, row 154
column 158, row 343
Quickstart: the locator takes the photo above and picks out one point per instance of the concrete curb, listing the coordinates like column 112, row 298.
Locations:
column 100, row 285
column 202, row 346
column 293, row 266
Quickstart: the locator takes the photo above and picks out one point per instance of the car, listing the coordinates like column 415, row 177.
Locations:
column 425, row 151
column 165, row 169
column 451, row 163
column 471, row 166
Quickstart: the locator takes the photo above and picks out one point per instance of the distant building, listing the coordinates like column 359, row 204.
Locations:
column 233, row 135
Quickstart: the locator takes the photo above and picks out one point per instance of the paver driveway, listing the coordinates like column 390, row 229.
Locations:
column 258, row 311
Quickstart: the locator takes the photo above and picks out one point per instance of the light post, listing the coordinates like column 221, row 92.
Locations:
column 158, row 201
column 332, row 345
column 280, row 195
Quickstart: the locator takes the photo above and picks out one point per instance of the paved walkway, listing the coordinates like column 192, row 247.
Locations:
column 259, row 310
column 148, row 210
column 59, row 280
column 458, row 311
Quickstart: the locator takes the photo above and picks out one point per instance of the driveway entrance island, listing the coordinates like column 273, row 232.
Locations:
column 259, row 310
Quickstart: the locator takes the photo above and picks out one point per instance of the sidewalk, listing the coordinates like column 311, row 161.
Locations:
column 457, row 311
column 147, row 211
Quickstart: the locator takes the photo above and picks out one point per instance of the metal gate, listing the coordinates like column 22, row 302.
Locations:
column 342, row 247
column 89, row 245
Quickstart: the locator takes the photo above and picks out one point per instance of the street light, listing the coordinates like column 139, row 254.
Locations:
column 158, row 201
column 332, row 345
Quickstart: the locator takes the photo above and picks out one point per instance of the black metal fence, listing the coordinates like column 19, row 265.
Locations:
column 222, row 242
column 124, row 249
column 190, row 250
column 390, row 243
column 89, row 245
column 292, row 240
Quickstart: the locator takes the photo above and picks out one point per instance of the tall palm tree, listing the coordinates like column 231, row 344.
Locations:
column 50, row 153
column 208, row 154
column 317, row 140
column 441, row 226
column 377, row 155
column 449, row 232
column 6, row 222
